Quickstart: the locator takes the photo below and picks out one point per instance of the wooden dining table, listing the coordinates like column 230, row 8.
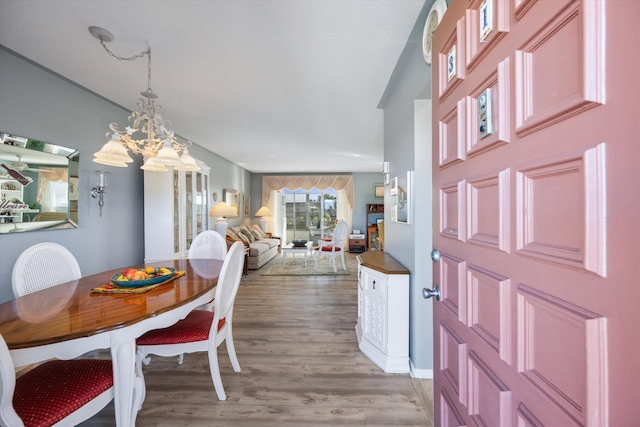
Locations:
column 68, row 320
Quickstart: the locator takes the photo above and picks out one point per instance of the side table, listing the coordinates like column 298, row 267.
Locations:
column 357, row 246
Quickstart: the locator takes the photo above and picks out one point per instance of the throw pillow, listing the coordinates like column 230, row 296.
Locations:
column 240, row 236
column 245, row 230
column 257, row 235
column 256, row 229
column 232, row 233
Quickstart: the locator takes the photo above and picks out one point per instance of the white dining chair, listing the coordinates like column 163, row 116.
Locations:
column 335, row 247
column 41, row 266
column 201, row 330
column 208, row 244
column 55, row 393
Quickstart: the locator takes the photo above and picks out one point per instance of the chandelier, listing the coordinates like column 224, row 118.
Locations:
column 147, row 133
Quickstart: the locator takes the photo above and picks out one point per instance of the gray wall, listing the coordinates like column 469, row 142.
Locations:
column 407, row 147
column 38, row 104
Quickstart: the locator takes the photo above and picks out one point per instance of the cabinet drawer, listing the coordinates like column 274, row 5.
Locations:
column 373, row 282
column 356, row 242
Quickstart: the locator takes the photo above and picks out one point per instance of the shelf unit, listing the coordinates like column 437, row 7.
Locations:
column 176, row 210
column 374, row 211
column 10, row 189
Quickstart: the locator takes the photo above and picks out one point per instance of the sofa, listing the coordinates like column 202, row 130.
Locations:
column 262, row 248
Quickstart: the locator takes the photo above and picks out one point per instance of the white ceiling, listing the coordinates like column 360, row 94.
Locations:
column 272, row 85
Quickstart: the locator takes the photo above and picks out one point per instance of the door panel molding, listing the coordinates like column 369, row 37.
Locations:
column 486, row 392
column 568, row 190
column 489, row 309
column 551, row 329
column 551, row 87
column 488, row 214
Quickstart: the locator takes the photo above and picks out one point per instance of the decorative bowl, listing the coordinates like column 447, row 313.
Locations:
column 145, row 282
column 299, row 243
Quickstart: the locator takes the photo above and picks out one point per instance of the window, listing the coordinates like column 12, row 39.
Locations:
column 310, row 215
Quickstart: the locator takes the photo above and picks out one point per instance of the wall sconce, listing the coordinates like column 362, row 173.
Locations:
column 101, row 182
column 385, row 172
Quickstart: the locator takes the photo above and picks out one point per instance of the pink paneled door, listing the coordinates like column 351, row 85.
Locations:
column 536, row 213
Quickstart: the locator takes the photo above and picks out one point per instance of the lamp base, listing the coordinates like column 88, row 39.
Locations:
column 263, row 224
column 221, row 227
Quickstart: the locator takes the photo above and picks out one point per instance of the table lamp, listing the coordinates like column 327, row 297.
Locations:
column 221, row 210
column 263, row 212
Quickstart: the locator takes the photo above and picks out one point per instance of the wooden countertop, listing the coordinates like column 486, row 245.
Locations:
column 382, row 262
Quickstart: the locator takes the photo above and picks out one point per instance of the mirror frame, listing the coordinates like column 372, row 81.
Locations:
column 71, row 155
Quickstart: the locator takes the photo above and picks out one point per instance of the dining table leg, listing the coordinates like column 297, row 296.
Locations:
column 127, row 386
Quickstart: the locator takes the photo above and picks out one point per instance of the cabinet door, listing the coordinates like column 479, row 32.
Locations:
column 189, row 228
column 177, row 231
column 374, row 307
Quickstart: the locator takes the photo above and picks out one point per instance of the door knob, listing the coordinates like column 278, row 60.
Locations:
column 435, row 255
column 428, row 293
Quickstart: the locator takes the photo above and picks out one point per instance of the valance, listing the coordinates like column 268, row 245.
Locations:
column 46, row 177
column 308, row 182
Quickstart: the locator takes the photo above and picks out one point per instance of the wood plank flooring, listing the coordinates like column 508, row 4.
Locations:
column 300, row 361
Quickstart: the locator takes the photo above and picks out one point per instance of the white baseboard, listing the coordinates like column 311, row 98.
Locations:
column 426, row 374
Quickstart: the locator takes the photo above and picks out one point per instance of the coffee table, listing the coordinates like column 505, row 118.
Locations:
column 290, row 249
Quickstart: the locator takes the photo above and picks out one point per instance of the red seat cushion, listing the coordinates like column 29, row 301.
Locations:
column 53, row 390
column 194, row 327
column 328, row 248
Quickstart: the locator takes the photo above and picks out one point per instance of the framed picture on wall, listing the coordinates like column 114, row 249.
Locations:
column 404, row 198
column 378, row 191
column 247, row 205
column 73, row 188
column 393, row 190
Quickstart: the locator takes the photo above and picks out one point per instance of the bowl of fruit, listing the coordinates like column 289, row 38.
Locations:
column 135, row 278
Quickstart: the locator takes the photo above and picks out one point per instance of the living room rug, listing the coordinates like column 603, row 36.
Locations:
column 295, row 267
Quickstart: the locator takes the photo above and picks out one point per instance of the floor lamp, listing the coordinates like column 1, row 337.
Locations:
column 263, row 212
column 221, row 210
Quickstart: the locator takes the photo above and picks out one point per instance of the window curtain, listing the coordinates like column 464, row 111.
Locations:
column 46, row 197
column 308, row 182
column 342, row 184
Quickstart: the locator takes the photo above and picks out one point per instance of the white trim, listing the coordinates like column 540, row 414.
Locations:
column 426, row 374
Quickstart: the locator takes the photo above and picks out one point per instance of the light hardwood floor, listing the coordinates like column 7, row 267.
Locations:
column 300, row 361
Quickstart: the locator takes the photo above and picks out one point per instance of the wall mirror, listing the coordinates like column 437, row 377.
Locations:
column 38, row 185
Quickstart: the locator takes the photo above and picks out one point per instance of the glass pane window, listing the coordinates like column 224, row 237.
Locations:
column 310, row 215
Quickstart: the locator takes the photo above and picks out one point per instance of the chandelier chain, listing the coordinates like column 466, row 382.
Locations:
column 122, row 58
column 133, row 58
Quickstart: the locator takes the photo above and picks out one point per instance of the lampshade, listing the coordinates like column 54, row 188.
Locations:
column 152, row 164
column 264, row 211
column 222, row 210
column 188, row 162
column 113, row 153
column 167, row 155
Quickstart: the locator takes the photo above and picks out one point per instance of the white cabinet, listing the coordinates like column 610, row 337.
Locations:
column 383, row 311
column 176, row 209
